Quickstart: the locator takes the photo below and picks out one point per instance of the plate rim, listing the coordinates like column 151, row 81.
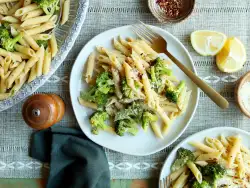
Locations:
column 194, row 135
column 196, row 101
column 29, row 88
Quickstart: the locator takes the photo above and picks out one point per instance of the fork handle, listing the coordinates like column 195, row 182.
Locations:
column 210, row 92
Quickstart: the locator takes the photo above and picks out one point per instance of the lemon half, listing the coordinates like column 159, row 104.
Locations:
column 207, row 42
column 232, row 56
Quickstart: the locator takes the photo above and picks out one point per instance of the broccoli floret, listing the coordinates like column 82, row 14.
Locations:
column 97, row 121
column 43, row 43
column 48, row 6
column 126, row 126
column 5, row 25
column 156, row 71
column 160, row 67
column 172, row 93
column 183, row 156
column 127, row 119
column 203, row 184
column 94, row 95
column 134, row 111
column 147, row 119
column 127, row 91
column 9, row 43
column 105, row 83
column 213, row 172
column 4, row 33
column 6, row 41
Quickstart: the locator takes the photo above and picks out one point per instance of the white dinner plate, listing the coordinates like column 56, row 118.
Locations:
column 213, row 133
column 143, row 143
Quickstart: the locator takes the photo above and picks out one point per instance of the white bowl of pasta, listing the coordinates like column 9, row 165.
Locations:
column 35, row 39
column 118, row 86
column 214, row 157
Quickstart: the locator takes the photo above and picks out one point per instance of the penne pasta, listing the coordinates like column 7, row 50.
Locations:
column 25, row 50
column 14, row 8
column 41, row 37
column 7, row 61
column 139, row 63
column 148, row 92
column 123, row 42
column 87, row 104
column 10, row 19
column 15, row 73
column 197, row 174
column 116, row 79
column 33, row 74
column 18, row 84
column 3, row 87
column 65, row 12
column 53, row 45
column 39, row 65
column 181, row 181
column 47, row 62
column 53, row 19
column 213, row 156
column 90, row 67
column 32, row 14
column 26, row 9
column 156, row 129
column 35, row 20
column 147, row 49
column 32, row 61
column 174, row 175
column 32, row 43
column 26, row 2
column 23, row 56
column 241, row 165
column 7, row 1
column 233, row 151
column 165, row 119
column 13, row 56
column 118, row 46
column 4, row 96
column 169, row 108
column 103, row 59
column 13, row 65
column 203, row 147
column 40, row 29
column 3, row 9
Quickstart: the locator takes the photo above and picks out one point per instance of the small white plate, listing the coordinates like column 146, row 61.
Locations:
column 213, row 133
column 143, row 143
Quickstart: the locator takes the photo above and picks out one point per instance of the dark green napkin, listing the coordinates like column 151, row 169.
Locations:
column 75, row 161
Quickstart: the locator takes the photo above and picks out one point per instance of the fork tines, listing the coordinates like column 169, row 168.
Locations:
column 144, row 32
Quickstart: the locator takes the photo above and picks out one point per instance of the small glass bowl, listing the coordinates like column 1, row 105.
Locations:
column 161, row 16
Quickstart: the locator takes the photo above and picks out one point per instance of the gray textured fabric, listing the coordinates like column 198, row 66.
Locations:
column 230, row 17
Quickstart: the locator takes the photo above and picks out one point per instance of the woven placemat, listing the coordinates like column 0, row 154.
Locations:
column 230, row 17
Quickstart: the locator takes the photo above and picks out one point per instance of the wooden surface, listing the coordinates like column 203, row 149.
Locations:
column 41, row 183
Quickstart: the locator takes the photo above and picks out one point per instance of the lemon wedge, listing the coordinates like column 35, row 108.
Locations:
column 207, row 42
column 232, row 56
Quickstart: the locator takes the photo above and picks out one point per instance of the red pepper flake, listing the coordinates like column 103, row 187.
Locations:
column 172, row 8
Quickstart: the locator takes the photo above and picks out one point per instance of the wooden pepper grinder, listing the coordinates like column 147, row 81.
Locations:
column 41, row 111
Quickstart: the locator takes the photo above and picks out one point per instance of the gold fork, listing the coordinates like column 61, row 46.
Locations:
column 159, row 44
column 165, row 182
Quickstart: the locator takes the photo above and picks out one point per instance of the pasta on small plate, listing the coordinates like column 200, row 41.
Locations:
column 145, row 101
column 217, row 157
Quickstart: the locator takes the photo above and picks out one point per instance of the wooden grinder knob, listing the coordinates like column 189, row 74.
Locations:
column 43, row 110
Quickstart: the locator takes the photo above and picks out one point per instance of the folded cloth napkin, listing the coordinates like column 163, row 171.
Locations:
column 75, row 161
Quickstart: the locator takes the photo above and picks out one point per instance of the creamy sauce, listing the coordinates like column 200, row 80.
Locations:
column 245, row 95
